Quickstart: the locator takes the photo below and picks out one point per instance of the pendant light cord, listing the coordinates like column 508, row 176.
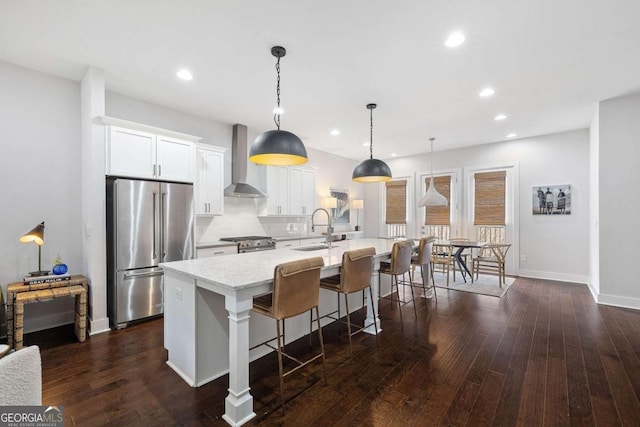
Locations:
column 431, row 139
column 371, row 134
column 276, row 116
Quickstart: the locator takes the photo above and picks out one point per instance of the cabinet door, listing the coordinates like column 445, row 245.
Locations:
column 295, row 191
column 308, row 192
column 209, row 182
column 175, row 159
column 130, row 153
column 278, row 190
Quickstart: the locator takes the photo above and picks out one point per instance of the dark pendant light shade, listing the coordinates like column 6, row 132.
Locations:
column 278, row 147
column 371, row 170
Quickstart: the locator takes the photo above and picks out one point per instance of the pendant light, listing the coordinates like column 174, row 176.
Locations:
column 371, row 170
column 278, row 147
column 432, row 197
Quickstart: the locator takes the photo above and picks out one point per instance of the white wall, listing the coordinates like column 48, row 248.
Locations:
column 40, row 175
column 619, row 175
column 594, row 212
column 556, row 246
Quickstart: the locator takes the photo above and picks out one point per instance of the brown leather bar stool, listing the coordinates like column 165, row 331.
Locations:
column 423, row 260
column 296, row 290
column 399, row 266
column 355, row 276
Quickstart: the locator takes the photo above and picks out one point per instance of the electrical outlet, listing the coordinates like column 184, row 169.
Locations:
column 523, row 258
column 179, row 294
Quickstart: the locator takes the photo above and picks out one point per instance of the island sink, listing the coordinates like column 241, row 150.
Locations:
column 311, row 248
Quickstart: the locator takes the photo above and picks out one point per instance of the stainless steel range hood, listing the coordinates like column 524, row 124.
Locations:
column 239, row 159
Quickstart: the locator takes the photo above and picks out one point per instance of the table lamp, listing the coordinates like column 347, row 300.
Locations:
column 37, row 236
column 357, row 204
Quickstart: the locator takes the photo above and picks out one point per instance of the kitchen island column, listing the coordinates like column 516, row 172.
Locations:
column 238, row 406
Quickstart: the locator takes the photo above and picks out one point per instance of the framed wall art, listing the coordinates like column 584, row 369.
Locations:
column 551, row 200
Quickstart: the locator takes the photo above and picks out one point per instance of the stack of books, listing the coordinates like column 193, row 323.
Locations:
column 34, row 280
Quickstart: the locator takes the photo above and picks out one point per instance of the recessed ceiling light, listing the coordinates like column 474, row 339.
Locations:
column 184, row 74
column 512, row 135
column 278, row 110
column 335, row 132
column 499, row 117
column 487, row 91
column 366, row 144
column 394, row 154
column 455, row 39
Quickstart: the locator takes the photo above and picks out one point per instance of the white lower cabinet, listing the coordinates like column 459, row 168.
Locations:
column 217, row 251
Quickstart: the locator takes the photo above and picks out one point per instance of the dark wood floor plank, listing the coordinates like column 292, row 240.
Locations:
column 545, row 354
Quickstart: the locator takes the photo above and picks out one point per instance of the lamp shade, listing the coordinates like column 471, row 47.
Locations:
column 372, row 170
column 278, row 148
column 331, row 202
column 36, row 235
column 432, row 197
column 357, row 204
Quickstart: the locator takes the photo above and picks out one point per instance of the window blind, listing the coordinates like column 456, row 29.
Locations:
column 489, row 199
column 396, row 195
column 439, row 215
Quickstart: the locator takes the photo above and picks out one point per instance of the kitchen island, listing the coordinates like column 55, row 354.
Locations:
column 207, row 306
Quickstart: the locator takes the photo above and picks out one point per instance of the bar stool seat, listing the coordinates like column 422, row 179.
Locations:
column 296, row 290
column 423, row 260
column 399, row 266
column 355, row 276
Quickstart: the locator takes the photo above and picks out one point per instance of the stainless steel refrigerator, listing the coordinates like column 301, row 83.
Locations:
column 148, row 222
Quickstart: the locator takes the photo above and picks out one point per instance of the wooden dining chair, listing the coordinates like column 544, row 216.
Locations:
column 442, row 256
column 296, row 290
column 466, row 254
column 494, row 263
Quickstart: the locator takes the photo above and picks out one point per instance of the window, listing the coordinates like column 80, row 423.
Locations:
column 396, row 202
column 489, row 198
column 439, row 215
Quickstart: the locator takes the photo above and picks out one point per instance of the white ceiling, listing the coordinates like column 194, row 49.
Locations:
column 549, row 61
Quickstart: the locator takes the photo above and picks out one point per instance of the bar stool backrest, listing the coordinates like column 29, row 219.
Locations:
column 401, row 257
column 425, row 249
column 356, row 270
column 296, row 287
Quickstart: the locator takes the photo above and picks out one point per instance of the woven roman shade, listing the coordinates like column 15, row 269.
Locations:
column 489, row 198
column 396, row 201
column 439, row 215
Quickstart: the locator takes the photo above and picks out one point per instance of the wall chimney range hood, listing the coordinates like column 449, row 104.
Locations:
column 239, row 159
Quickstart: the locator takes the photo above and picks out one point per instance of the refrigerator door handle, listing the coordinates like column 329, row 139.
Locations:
column 154, row 226
column 147, row 274
column 163, row 251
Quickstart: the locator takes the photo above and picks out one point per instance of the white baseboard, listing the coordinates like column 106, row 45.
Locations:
column 618, row 301
column 548, row 275
column 99, row 326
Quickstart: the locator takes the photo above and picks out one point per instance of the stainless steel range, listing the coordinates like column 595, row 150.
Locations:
column 252, row 243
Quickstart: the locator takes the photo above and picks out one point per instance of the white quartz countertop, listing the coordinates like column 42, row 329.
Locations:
column 238, row 271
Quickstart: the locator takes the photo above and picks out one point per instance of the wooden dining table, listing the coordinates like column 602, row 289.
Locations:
column 460, row 246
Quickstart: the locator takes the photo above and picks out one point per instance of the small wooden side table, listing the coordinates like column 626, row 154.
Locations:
column 19, row 294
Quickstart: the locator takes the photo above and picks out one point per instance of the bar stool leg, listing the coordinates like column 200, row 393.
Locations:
column 324, row 367
column 413, row 297
column 395, row 279
column 373, row 310
column 346, row 304
column 280, row 365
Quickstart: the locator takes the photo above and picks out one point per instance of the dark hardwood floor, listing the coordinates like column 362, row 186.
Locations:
column 544, row 354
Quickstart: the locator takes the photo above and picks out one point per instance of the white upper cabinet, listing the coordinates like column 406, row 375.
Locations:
column 291, row 190
column 142, row 151
column 130, row 153
column 278, row 190
column 209, row 185
column 174, row 159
